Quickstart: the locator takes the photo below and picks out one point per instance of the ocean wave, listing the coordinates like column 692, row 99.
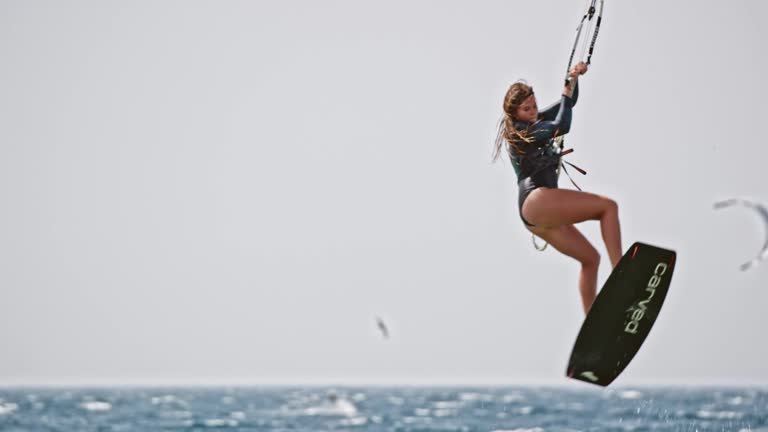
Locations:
column 474, row 396
column 169, row 399
column 413, row 410
column 175, row 414
column 354, row 421
column 536, row 429
column 512, row 397
column 447, row 404
column 340, row 407
column 707, row 414
column 7, row 408
column 96, row 406
column 220, row 423
column 630, row 394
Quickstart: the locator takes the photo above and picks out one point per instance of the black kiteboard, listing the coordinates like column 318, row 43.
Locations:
column 622, row 315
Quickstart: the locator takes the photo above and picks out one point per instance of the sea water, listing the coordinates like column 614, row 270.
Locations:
column 397, row 409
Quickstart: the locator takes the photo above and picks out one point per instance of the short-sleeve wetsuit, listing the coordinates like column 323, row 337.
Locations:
column 537, row 166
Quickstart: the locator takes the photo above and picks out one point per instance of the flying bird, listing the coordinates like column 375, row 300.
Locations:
column 382, row 328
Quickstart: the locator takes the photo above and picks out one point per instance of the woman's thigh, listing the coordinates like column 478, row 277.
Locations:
column 568, row 240
column 548, row 207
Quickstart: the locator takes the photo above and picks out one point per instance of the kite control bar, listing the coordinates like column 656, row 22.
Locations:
column 588, row 17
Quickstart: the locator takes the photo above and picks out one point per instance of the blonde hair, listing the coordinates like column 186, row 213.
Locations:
column 516, row 95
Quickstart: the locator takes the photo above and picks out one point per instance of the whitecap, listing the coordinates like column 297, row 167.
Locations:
column 512, row 397
column 471, row 396
column 354, row 421
column 719, row 414
column 536, row 429
column 340, row 407
column 446, row 404
column 421, row 412
column 344, row 407
column 239, row 415
column 96, row 406
column 525, row 410
column 157, row 400
column 214, row 423
column 630, row 394
column 415, row 420
column 168, row 400
column 7, row 408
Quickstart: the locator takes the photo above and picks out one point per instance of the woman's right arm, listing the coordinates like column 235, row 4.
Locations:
column 551, row 127
column 570, row 84
column 545, row 130
column 549, row 113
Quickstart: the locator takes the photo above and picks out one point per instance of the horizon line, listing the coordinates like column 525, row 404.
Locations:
column 366, row 382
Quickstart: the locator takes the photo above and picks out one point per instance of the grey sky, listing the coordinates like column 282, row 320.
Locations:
column 208, row 191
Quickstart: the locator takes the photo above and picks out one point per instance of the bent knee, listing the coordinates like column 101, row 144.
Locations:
column 610, row 206
column 590, row 259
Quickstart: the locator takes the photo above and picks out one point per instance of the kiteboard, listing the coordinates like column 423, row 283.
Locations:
column 622, row 314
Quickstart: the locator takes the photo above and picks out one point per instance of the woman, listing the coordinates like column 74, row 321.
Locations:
column 549, row 212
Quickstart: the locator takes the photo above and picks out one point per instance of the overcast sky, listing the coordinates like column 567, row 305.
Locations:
column 231, row 191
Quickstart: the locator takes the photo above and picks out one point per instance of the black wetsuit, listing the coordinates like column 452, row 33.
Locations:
column 537, row 166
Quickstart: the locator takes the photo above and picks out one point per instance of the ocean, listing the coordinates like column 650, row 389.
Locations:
column 379, row 409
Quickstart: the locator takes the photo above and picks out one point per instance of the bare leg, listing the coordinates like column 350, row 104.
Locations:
column 569, row 241
column 549, row 208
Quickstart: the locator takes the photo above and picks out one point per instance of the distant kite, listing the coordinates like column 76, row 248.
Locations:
column 763, row 212
column 382, row 327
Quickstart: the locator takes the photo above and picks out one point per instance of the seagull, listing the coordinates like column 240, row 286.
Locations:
column 382, row 327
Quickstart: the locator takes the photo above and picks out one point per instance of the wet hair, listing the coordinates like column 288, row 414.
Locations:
column 515, row 139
